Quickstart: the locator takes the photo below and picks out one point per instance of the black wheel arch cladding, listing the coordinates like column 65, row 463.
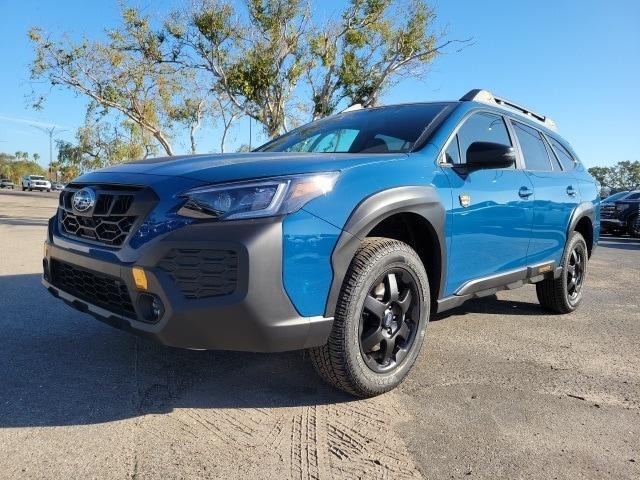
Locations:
column 370, row 212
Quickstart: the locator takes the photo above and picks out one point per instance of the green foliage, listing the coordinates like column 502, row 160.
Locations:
column 16, row 166
column 130, row 74
column 260, row 58
column 623, row 175
column 100, row 143
column 374, row 47
column 255, row 57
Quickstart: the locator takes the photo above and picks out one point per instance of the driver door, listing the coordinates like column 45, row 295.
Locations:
column 490, row 221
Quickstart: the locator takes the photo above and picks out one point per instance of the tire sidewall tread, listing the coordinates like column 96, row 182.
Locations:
column 553, row 293
column 340, row 361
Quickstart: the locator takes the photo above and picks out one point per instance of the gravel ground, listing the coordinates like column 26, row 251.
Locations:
column 501, row 390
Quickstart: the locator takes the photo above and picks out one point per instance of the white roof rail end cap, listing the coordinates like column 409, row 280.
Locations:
column 355, row 106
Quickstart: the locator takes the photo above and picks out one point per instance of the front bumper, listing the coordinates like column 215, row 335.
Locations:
column 257, row 316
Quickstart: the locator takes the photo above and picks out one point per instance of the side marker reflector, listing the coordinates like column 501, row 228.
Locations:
column 139, row 278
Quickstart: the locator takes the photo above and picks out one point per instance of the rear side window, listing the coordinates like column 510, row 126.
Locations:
column 482, row 127
column 533, row 148
column 567, row 161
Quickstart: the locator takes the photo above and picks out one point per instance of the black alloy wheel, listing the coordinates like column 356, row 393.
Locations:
column 387, row 325
column 563, row 293
column 575, row 271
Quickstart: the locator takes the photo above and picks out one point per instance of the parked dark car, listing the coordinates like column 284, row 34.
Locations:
column 6, row 183
column 620, row 215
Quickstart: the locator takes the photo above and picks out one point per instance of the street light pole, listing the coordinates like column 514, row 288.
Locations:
column 51, row 131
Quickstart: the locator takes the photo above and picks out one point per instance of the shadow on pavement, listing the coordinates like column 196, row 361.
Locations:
column 23, row 221
column 622, row 243
column 60, row 367
column 491, row 305
column 19, row 193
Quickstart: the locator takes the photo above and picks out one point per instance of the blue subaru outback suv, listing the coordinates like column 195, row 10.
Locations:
column 342, row 236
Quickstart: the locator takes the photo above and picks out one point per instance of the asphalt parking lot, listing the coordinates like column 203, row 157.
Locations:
column 501, row 390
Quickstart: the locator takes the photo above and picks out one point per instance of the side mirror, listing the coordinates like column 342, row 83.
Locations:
column 482, row 155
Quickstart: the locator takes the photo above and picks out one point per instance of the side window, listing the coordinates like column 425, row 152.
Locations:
column 552, row 155
column 482, row 127
column 633, row 196
column 533, row 149
column 567, row 161
column 452, row 154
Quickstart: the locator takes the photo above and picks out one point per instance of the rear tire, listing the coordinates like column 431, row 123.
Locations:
column 380, row 320
column 564, row 294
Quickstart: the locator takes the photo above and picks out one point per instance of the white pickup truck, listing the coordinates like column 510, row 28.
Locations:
column 35, row 182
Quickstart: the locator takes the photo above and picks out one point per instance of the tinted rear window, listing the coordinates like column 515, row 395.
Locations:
column 534, row 151
column 564, row 156
column 381, row 130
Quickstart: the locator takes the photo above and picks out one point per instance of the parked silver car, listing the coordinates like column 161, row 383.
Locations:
column 6, row 183
column 35, row 182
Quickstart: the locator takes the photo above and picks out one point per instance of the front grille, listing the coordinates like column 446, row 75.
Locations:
column 608, row 211
column 110, row 230
column 117, row 211
column 202, row 273
column 96, row 288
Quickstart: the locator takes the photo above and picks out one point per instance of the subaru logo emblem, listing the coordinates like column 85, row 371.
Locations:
column 83, row 199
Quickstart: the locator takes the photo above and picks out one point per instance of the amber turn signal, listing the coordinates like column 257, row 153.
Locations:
column 139, row 278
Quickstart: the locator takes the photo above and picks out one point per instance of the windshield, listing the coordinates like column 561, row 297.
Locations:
column 615, row 196
column 380, row 130
column 36, row 177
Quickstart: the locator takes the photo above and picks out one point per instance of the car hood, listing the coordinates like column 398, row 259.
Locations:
column 239, row 166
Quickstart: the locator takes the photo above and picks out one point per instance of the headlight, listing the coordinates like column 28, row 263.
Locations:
column 257, row 198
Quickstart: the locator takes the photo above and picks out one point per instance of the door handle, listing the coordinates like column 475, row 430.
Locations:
column 571, row 191
column 525, row 192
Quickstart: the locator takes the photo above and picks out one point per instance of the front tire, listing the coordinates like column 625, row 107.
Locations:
column 380, row 320
column 564, row 294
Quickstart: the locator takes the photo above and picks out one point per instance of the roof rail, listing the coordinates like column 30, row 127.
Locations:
column 484, row 96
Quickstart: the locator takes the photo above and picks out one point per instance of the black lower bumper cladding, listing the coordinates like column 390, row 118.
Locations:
column 220, row 284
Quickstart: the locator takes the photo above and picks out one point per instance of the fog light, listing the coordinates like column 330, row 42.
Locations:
column 150, row 307
column 139, row 278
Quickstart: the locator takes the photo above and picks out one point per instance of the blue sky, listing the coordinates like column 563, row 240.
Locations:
column 576, row 61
